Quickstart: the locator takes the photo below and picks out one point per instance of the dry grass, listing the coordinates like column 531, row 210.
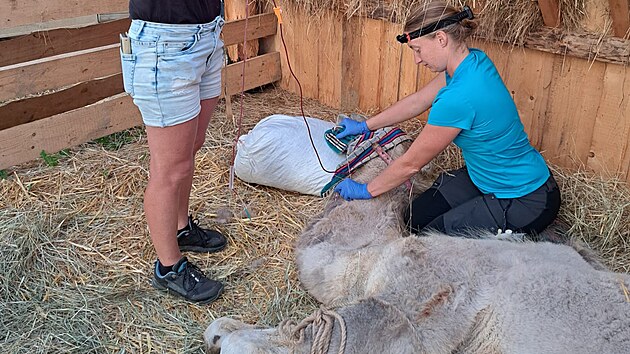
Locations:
column 501, row 20
column 77, row 258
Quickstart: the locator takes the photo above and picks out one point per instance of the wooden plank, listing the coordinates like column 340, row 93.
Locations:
column 25, row 142
column 369, row 61
column 499, row 53
column 550, row 12
column 350, row 81
column 329, row 64
column 424, row 77
column 284, row 42
column 235, row 10
column 408, row 81
column 619, row 11
column 21, row 12
column 35, row 108
column 305, row 53
column 43, row 44
column 36, row 76
column 610, row 150
column 574, row 97
column 528, row 78
column 258, row 26
column 261, row 70
column 391, row 54
column 48, row 43
column 596, row 19
column 23, row 30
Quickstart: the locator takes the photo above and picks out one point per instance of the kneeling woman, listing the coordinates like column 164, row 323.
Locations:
column 506, row 183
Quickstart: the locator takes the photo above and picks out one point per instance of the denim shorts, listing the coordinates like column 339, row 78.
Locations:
column 171, row 68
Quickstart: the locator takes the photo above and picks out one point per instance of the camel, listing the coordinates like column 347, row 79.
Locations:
column 384, row 290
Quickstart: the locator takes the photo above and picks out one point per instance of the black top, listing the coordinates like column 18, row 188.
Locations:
column 175, row 11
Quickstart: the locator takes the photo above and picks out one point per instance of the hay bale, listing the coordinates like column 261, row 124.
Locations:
column 77, row 256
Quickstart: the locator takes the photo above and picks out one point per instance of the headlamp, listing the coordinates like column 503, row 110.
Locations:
column 465, row 14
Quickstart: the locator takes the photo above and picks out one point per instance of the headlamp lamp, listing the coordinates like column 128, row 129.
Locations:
column 465, row 14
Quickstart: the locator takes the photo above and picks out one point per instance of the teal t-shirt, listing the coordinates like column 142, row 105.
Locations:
column 495, row 147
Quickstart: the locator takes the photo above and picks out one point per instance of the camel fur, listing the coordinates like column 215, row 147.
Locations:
column 399, row 293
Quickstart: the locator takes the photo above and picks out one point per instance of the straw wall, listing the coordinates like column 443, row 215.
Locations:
column 575, row 109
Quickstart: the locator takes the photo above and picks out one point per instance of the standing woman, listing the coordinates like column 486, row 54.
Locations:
column 506, row 183
column 171, row 60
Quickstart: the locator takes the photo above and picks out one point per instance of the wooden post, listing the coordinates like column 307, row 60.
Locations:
column 235, row 10
column 550, row 12
column 619, row 13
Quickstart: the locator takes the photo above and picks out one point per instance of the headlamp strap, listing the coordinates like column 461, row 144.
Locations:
column 465, row 14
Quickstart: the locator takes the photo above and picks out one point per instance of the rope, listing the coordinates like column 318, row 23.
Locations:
column 322, row 322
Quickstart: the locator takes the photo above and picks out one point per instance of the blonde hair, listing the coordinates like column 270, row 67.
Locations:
column 421, row 16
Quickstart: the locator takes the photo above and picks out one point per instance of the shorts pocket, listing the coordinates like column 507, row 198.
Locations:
column 175, row 48
column 128, row 63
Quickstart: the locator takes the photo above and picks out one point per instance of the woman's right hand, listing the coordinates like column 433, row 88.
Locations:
column 352, row 127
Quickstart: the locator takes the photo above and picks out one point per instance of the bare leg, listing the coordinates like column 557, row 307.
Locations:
column 207, row 109
column 171, row 166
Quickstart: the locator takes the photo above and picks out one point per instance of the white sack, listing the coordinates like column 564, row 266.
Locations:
column 278, row 153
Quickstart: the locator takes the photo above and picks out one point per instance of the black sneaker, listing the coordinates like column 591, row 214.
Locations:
column 188, row 282
column 196, row 239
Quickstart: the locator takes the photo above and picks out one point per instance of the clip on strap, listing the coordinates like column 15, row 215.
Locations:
column 465, row 14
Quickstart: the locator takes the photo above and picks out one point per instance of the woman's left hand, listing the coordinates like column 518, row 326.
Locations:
column 349, row 190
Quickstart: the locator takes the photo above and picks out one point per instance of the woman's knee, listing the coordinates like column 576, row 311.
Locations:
column 171, row 173
column 425, row 209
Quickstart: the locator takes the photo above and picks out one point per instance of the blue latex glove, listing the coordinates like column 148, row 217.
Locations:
column 352, row 127
column 349, row 190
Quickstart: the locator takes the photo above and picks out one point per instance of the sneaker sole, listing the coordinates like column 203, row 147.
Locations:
column 159, row 287
column 202, row 249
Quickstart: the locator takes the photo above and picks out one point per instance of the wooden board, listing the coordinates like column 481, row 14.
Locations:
column 36, row 76
column 573, row 103
column 528, row 77
column 284, row 43
column 369, row 70
column 35, row 108
column 21, row 12
column 48, row 43
column 408, row 81
column 391, row 55
column 258, row 26
column 619, row 11
column 550, row 12
column 306, row 53
column 350, row 79
column 235, row 10
column 261, row 70
column 25, row 142
column 610, row 150
column 329, row 60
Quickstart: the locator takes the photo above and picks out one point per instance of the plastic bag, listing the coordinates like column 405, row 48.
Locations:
column 278, row 153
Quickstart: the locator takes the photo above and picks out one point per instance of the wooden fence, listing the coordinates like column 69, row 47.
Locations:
column 62, row 86
column 572, row 89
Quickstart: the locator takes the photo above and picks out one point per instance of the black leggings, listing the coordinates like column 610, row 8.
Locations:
column 454, row 204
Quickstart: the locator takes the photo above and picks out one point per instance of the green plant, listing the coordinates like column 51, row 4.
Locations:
column 4, row 174
column 117, row 140
column 52, row 160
